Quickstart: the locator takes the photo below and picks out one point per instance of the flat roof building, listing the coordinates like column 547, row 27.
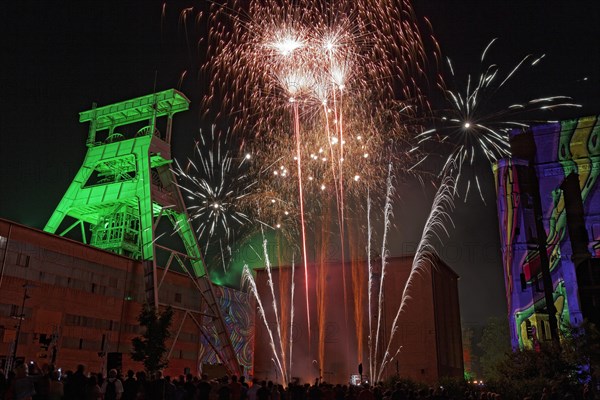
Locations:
column 548, row 199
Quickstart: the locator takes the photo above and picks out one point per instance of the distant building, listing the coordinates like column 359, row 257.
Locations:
column 548, row 200
column 428, row 330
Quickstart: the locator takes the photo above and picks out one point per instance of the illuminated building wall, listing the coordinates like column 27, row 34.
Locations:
column 552, row 178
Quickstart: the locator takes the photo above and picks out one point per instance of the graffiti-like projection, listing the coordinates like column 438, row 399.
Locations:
column 558, row 150
column 238, row 312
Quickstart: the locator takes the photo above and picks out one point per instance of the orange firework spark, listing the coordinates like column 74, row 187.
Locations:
column 327, row 94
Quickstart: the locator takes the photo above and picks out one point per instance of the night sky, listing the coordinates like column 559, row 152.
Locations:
column 58, row 57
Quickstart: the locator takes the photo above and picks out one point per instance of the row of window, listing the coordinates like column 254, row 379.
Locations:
column 14, row 311
column 99, row 323
column 23, row 260
column 97, row 345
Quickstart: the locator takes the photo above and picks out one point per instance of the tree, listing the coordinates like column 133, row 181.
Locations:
column 494, row 345
column 582, row 347
column 525, row 373
column 150, row 348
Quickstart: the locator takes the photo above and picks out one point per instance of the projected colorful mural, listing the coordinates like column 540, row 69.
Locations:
column 552, row 153
column 238, row 312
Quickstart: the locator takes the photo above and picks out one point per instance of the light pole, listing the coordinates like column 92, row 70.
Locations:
column 21, row 317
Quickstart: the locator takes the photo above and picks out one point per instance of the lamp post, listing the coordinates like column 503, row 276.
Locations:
column 21, row 317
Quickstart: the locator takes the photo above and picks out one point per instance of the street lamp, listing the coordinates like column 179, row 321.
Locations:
column 21, row 317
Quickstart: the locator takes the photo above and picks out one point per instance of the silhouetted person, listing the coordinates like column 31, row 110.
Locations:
column 112, row 388
column 75, row 387
column 204, row 388
column 130, row 387
column 235, row 388
column 264, row 393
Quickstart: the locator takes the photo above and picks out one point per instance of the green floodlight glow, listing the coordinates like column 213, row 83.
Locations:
column 113, row 190
column 125, row 187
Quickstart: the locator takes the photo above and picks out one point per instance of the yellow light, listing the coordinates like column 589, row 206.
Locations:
column 356, row 177
column 322, row 187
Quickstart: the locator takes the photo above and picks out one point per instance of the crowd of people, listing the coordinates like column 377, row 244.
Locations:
column 27, row 382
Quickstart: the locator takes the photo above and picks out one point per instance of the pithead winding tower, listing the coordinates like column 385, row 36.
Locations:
column 125, row 190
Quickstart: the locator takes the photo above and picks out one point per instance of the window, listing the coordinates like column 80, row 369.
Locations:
column 14, row 311
column 543, row 326
column 23, row 260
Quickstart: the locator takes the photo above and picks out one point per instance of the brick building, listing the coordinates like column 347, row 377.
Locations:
column 429, row 328
column 89, row 299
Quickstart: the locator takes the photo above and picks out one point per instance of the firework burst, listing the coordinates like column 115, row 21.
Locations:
column 474, row 127
column 326, row 94
column 321, row 70
column 217, row 185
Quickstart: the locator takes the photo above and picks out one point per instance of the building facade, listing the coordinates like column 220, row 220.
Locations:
column 548, row 200
column 428, row 330
column 73, row 303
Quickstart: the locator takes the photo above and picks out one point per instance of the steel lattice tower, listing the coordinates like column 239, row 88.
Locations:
column 125, row 187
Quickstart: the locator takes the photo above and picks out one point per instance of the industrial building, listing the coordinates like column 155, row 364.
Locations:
column 72, row 293
column 548, row 200
column 428, row 330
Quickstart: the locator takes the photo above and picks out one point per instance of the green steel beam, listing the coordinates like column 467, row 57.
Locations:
column 143, row 108
column 123, row 188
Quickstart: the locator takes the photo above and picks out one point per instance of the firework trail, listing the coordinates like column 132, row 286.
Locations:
column 302, row 221
column 292, row 288
column 425, row 254
column 387, row 213
column 274, row 298
column 248, row 280
column 312, row 86
column 370, row 287
column 473, row 127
